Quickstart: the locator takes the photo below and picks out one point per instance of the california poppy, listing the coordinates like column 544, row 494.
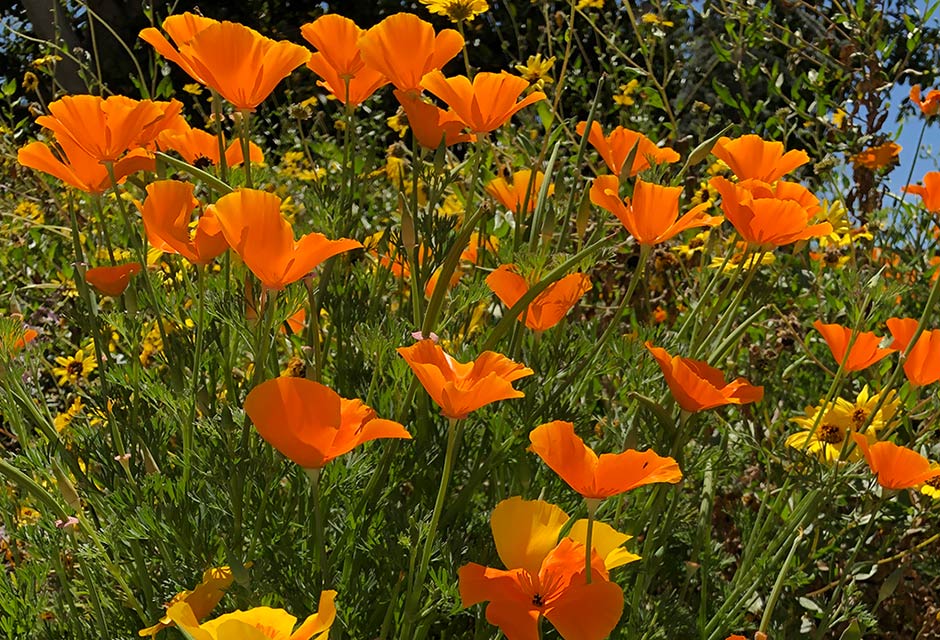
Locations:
column 652, row 214
column 930, row 105
column 557, row 590
column 922, row 365
column 198, row 147
column 751, row 157
column 696, row 386
column 201, row 600
column 485, row 104
column 259, row 623
column 550, row 306
column 166, row 213
column 770, row 215
column 403, row 48
column 20, row 339
column 76, row 168
column 338, row 61
column 430, row 124
column 460, row 388
column 525, row 531
column 107, row 128
column 877, row 157
column 112, row 281
column 522, row 189
column 239, row 63
column 895, row 466
column 865, row 350
column 310, row 423
column 597, row 477
column 615, row 147
column 929, row 192
column 253, row 226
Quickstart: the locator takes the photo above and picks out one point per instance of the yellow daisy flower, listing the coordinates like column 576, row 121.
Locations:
column 75, row 368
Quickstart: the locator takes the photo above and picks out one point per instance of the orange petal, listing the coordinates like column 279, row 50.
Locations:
column 112, row 281
column 565, row 454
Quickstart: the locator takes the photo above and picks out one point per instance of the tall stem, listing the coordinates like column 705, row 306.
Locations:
column 324, row 577
column 592, row 504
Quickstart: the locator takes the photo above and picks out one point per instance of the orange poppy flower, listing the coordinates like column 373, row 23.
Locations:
column 486, row 104
column 930, row 105
column 652, row 215
column 338, row 60
column 459, row 388
column 929, row 192
column 22, row 338
column 922, row 366
column 895, row 466
column 875, row 158
column 166, row 214
column 403, row 48
column 78, row 169
column 311, row 424
column 107, row 128
column 524, row 188
column 598, row 477
column 253, row 226
column 112, row 281
column 201, row 599
column 558, row 591
column 430, row 124
column 696, row 386
column 751, row 157
column 770, row 215
column 239, row 63
column 550, row 306
column 865, row 351
column 198, row 147
column 615, row 147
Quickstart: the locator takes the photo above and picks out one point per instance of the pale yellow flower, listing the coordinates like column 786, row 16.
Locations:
column 457, row 10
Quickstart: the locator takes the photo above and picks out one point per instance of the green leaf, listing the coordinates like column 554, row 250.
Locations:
column 9, row 87
column 889, row 585
column 852, row 632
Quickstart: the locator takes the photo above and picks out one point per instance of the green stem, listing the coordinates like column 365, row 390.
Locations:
column 244, row 133
column 592, row 504
column 324, row 577
column 189, row 426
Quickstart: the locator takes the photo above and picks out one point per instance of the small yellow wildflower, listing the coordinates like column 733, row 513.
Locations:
column 152, row 345
column 45, row 60
column 75, row 368
column 625, row 96
column 695, row 245
column 398, row 123
column 30, row 211
column 457, row 10
column 27, row 516
column 535, row 71
column 659, row 21
column 590, row 4
column 932, row 486
column 452, row 205
column 857, row 413
column 838, row 118
column 825, row 440
column 731, row 266
column 30, row 82
column 193, row 88
column 64, row 419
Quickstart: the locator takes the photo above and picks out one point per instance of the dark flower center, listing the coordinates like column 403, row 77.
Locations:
column 933, row 482
column 75, row 368
column 537, row 598
column 830, row 433
column 859, row 416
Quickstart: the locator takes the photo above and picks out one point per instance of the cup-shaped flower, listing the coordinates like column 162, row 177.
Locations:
column 76, row 168
column 430, row 124
column 199, row 148
column 696, row 386
column 260, row 623
column 167, row 212
column 895, row 466
column 615, row 147
column 201, row 600
column 558, row 591
column 521, row 190
column 310, row 423
column 487, row 103
column 930, row 104
column 21, row 336
column 239, row 63
column 338, row 61
column 597, row 477
column 550, row 306
column 751, row 157
column 652, row 214
column 253, row 226
column 922, row 366
column 865, row 350
column 526, row 531
column 878, row 156
column 112, row 281
column 929, row 192
column 107, row 128
column 403, row 48
column 768, row 216
column 460, row 388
